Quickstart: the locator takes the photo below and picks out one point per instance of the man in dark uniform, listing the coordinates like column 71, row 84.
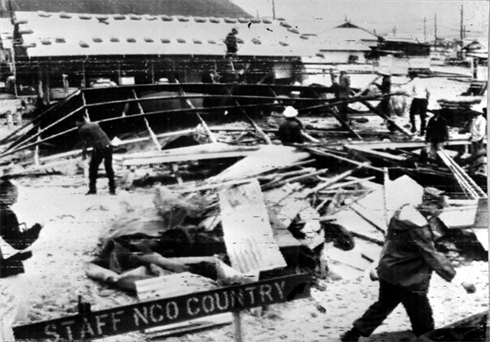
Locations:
column 406, row 264
column 290, row 130
column 437, row 134
column 93, row 136
column 231, row 43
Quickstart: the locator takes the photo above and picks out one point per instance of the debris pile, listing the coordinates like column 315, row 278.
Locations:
column 276, row 211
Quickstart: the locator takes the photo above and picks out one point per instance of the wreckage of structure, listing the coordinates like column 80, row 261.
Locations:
column 203, row 127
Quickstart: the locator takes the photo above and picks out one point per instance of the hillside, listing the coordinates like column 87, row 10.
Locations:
column 204, row 8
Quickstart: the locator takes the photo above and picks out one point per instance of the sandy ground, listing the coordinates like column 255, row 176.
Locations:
column 54, row 277
column 72, row 223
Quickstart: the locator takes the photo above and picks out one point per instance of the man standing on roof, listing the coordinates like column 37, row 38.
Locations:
column 290, row 130
column 93, row 136
column 437, row 134
column 420, row 100
column 231, row 43
column 405, row 267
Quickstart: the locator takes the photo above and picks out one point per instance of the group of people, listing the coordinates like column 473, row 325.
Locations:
column 409, row 255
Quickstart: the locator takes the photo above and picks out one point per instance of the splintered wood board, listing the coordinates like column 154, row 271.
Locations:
column 356, row 224
column 248, row 235
column 269, row 157
column 184, row 154
column 285, row 203
column 173, row 285
column 189, row 326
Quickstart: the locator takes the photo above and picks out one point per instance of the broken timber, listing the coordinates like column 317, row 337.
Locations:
column 60, row 116
column 184, row 154
column 247, row 231
column 255, row 126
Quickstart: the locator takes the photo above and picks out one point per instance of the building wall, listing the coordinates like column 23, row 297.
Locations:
column 342, row 56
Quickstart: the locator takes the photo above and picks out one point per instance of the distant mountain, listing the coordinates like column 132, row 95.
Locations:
column 198, row 8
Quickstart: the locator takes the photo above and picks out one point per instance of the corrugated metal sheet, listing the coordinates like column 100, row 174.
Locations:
column 74, row 34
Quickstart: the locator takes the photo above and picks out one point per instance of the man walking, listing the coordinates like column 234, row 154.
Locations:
column 406, row 264
column 93, row 136
column 437, row 134
column 420, row 100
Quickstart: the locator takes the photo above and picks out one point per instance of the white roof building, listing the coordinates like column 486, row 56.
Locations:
column 74, row 34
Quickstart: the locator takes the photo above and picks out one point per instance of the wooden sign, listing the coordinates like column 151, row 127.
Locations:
column 161, row 312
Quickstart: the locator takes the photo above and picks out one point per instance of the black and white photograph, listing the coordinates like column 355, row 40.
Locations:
column 244, row 170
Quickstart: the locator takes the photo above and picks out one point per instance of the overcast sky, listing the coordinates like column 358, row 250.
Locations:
column 406, row 17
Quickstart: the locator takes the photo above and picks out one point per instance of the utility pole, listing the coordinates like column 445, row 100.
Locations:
column 435, row 30
column 273, row 9
column 461, row 29
column 425, row 29
column 461, row 34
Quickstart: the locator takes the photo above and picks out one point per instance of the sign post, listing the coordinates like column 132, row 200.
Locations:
column 97, row 324
column 237, row 323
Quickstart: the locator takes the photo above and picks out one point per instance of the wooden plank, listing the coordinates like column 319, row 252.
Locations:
column 376, row 145
column 255, row 126
column 330, row 181
column 274, row 184
column 193, row 260
column 189, row 326
column 384, row 116
column 358, row 226
column 211, row 186
column 199, row 152
column 285, row 203
column 172, row 285
column 373, row 153
column 327, row 154
column 267, row 158
column 212, row 137
column 247, row 232
column 335, row 113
